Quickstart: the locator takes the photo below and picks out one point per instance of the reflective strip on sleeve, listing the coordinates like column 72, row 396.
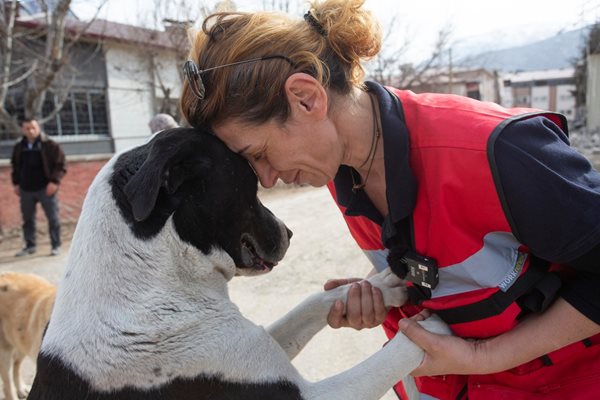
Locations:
column 497, row 264
column 378, row 258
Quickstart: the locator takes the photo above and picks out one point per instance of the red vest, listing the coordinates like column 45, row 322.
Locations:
column 458, row 219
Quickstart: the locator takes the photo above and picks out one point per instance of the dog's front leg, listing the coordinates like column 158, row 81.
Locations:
column 6, row 370
column 373, row 377
column 298, row 326
column 22, row 391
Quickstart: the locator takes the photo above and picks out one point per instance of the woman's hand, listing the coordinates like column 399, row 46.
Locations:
column 537, row 335
column 364, row 306
column 444, row 354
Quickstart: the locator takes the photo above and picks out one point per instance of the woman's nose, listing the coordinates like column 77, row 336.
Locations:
column 267, row 175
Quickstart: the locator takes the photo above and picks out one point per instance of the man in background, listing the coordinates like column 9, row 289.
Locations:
column 38, row 165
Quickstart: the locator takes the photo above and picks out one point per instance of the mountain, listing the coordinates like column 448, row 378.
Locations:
column 554, row 52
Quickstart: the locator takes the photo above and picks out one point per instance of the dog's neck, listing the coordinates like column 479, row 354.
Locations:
column 129, row 272
column 163, row 309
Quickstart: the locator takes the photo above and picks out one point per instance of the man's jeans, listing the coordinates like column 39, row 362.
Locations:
column 50, row 206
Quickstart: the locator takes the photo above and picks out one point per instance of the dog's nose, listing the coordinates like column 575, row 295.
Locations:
column 289, row 233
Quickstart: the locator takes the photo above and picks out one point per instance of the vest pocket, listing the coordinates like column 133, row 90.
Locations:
column 575, row 377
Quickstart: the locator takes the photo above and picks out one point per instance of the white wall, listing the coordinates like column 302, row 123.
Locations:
column 167, row 67
column 506, row 96
column 132, row 88
column 565, row 102
column 488, row 88
column 593, row 93
column 130, row 95
column 540, row 97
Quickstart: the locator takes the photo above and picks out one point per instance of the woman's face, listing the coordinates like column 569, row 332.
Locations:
column 301, row 152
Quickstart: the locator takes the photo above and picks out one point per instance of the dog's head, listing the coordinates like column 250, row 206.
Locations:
column 210, row 191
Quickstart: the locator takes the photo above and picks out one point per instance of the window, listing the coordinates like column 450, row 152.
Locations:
column 83, row 113
column 473, row 90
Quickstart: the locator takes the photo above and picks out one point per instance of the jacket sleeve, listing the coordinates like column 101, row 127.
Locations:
column 553, row 193
column 15, row 170
column 58, row 167
column 582, row 291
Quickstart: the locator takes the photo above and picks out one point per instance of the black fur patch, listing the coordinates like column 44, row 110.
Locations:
column 209, row 190
column 55, row 381
column 211, row 193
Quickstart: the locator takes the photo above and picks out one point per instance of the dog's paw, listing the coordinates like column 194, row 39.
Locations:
column 23, row 392
column 435, row 324
column 392, row 287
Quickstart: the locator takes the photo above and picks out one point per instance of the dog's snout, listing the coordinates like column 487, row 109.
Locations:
column 289, row 233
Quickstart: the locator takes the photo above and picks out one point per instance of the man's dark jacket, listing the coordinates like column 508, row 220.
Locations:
column 53, row 160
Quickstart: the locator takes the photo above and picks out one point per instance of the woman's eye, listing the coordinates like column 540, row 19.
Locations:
column 258, row 156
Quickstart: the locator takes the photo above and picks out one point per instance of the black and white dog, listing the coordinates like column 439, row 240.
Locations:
column 143, row 310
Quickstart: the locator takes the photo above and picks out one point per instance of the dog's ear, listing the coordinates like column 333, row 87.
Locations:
column 160, row 169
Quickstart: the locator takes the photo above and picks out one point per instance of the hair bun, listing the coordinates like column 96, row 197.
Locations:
column 353, row 33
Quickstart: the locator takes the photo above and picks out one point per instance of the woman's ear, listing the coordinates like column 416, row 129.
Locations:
column 306, row 95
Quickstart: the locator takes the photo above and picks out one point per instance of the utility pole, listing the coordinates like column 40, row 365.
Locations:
column 450, row 77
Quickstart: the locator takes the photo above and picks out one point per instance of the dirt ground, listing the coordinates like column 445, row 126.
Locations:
column 320, row 249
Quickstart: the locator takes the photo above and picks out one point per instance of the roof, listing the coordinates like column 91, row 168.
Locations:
column 459, row 75
column 102, row 29
column 542, row 75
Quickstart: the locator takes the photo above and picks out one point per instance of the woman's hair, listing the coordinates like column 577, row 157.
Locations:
column 329, row 44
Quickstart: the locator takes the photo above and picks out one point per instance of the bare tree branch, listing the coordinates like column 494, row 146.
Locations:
column 418, row 76
column 54, row 60
column 7, row 47
column 61, row 102
column 36, row 55
column 177, row 18
column 75, row 39
column 21, row 78
column 391, row 66
column 7, row 24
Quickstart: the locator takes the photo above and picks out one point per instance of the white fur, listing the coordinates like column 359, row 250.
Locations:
column 175, row 299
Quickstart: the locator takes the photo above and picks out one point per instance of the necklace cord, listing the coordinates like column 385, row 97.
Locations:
column 371, row 157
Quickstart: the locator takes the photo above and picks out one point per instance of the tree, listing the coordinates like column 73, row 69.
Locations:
column 178, row 19
column 580, row 64
column 390, row 66
column 34, row 54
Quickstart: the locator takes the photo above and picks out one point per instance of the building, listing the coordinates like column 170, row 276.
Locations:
column 593, row 93
column 550, row 90
column 118, row 77
column 479, row 83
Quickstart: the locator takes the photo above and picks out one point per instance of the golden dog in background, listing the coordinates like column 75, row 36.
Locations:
column 26, row 301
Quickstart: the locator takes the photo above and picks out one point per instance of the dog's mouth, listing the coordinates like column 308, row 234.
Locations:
column 251, row 257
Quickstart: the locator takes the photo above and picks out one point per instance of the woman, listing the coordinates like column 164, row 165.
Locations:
column 496, row 198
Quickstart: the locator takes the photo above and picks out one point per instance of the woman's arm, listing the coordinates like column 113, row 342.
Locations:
column 536, row 336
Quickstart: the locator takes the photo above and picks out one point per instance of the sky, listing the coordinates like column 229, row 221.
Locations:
column 478, row 23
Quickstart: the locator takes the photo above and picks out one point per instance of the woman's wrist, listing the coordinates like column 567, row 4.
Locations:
column 489, row 357
column 535, row 337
